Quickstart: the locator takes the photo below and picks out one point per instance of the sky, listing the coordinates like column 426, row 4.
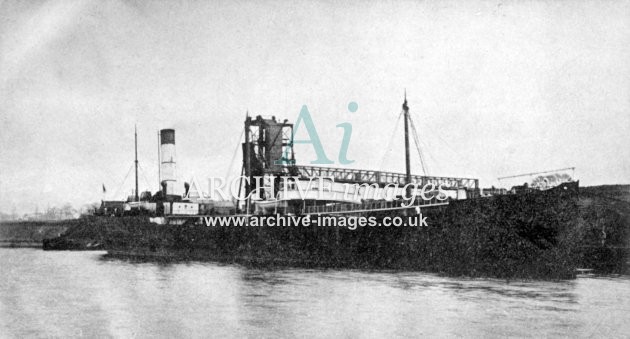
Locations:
column 495, row 88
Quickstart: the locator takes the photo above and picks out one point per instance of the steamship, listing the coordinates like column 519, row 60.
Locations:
column 520, row 231
column 267, row 141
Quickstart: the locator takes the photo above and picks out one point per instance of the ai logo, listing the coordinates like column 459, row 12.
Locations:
column 313, row 138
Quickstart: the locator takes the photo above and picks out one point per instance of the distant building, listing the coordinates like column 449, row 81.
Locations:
column 111, row 208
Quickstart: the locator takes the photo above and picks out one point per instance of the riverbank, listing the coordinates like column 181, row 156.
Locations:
column 32, row 233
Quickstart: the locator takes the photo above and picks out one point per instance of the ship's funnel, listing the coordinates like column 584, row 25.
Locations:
column 167, row 159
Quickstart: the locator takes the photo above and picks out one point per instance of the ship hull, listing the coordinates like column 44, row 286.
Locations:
column 512, row 236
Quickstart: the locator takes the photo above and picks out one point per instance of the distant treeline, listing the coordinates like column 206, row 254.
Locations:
column 31, row 233
column 53, row 213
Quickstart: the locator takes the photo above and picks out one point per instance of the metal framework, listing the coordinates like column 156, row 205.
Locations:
column 537, row 173
column 372, row 206
column 356, row 176
column 266, row 142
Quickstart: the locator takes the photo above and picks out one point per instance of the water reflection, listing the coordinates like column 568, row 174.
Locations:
column 81, row 294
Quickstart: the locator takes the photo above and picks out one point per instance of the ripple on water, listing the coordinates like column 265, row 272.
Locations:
column 82, row 293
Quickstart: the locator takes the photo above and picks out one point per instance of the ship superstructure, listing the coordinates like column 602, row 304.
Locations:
column 271, row 182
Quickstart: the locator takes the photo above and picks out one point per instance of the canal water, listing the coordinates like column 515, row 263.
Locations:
column 81, row 294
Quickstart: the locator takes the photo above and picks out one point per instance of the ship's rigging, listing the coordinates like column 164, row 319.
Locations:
column 267, row 140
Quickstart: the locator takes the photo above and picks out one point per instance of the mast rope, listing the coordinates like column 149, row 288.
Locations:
column 227, row 175
column 430, row 159
column 460, row 159
column 417, row 142
column 124, row 180
column 146, row 181
column 391, row 140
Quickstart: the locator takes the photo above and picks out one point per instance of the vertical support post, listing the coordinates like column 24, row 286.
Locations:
column 248, row 156
column 159, row 163
column 240, row 185
column 407, row 160
column 136, row 148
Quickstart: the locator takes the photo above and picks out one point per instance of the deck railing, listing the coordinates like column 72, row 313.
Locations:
column 356, row 176
column 372, row 206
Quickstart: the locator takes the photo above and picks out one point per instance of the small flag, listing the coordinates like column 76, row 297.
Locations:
column 104, row 190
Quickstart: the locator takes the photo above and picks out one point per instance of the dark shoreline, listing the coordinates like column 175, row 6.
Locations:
column 14, row 234
column 20, row 244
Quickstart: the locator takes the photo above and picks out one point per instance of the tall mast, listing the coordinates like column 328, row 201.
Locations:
column 159, row 163
column 248, row 159
column 135, row 132
column 407, row 160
